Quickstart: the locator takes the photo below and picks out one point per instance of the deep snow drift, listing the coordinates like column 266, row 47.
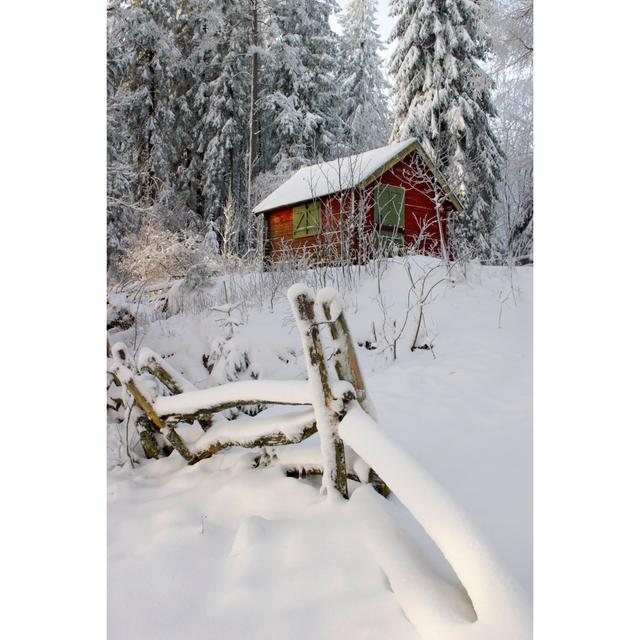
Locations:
column 221, row 550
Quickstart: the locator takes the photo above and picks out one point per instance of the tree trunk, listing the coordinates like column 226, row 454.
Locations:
column 253, row 117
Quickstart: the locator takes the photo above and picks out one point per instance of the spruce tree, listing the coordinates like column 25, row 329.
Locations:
column 443, row 97
column 193, row 73
column 511, row 26
column 365, row 109
column 300, row 115
column 228, row 115
column 122, row 217
column 143, row 32
column 179, row 103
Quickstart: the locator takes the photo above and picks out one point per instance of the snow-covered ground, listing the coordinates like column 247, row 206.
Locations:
column 221, row 550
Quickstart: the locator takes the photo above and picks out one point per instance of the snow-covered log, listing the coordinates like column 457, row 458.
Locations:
column 305, row 459
column 322, row 399
column 255, row 432
column 179, row 445
column 154, row 364
column 496, row 598
column 293, row 392
column 128, row 379
column 131, row 382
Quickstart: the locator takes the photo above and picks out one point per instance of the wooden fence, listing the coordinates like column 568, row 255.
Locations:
column 165, row 399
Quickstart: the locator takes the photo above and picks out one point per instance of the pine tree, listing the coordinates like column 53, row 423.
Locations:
column 179, row 104
column 122, row 218
column 300, row 119
column 143, row 29
column 365, row 109
column 192, row 74
column 443, row 97
column 511, row 26
column 225, row 122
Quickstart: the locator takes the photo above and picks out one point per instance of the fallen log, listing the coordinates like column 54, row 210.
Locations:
column 127, row 378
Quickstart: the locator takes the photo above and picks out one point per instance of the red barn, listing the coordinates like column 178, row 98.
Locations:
column 349, row 209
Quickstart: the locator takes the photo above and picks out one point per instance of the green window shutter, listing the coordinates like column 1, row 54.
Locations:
column 299, row 222
column 314, row 218
column 307, row 220
column 389, row 206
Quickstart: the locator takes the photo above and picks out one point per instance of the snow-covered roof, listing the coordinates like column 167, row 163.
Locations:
column 331, row 177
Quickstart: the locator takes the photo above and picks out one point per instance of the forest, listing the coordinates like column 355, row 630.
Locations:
column 213, row 104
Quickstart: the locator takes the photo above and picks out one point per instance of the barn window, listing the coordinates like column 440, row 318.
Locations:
column 389, row 207
column 306, row 220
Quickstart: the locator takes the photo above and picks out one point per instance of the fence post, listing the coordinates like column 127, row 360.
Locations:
column 347, row 368
column 346, row 359
column 147, row 437
column 126, row 377
column 331, row 445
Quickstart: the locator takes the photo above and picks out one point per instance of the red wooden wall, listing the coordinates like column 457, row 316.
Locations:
column 419, row 213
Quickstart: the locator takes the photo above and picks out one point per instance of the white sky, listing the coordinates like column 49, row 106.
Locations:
column 385, row 23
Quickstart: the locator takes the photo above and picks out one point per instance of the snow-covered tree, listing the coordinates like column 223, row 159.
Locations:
column 142, row 32
column 180, row 98
column 122, row 216
column 229, row 227
column 143, row 148
column 300, row 119
column 443, row 96
column 365, row 108
column 193, row 19
column 511, row 26
column 224, row 127
column 155, row 253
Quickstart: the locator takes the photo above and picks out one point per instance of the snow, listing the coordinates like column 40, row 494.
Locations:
column 331, row 297
column 247, row 430
column 432, row 600
column 147, row 356
column 275, row 560
column 306, row 456
column 222, row 549
column 303, row 455
column 496, row 598
column 242, row 392
column 120, row 353
column 330, row 177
